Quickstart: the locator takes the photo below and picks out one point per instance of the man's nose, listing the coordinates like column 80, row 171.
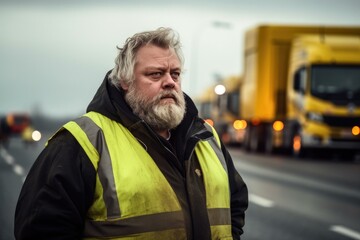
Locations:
column 168, row 81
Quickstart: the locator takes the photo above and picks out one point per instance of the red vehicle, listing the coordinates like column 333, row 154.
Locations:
column 14, row 123
column 17, row 122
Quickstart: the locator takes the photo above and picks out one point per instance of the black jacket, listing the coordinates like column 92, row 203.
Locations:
column 59, row 188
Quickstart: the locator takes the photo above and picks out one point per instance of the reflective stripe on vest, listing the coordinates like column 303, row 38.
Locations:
column 217, row 195
column 133, row 199
column 216, row 146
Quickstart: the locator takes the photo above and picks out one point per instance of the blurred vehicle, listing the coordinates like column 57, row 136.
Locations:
column 301, row 88
column 18, row 124
column 300, row 92
column 219, row 105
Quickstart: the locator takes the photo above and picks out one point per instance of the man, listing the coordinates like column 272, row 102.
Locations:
column 140, row 164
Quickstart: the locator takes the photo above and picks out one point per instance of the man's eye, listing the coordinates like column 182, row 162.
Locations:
column 175, row 75
column 155, row 74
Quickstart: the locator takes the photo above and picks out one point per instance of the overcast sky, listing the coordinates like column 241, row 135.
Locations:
column 54, row 54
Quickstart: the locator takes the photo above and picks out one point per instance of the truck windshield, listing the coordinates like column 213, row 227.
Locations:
column 336, row 82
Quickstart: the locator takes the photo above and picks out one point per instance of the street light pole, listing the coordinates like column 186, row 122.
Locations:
column 195, row 51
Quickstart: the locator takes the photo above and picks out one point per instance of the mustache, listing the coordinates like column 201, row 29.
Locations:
column 169, row 94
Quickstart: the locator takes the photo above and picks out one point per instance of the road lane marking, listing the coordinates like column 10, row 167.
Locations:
column 10, row 160
column 7, row 157
column 345, row 231
column 264, row 202
column 19, row 170
column 312, row 183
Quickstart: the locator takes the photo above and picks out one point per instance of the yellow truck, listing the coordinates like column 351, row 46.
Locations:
column 301, row 88
column 222, row 109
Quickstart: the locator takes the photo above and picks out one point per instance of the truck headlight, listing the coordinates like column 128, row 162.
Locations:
column 36, row 136
column 315, row 117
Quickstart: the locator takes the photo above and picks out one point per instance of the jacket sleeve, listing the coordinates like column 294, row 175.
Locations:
column 57, row 192
column 239, row 197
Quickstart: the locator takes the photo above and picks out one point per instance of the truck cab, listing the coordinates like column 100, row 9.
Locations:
column 324, row 92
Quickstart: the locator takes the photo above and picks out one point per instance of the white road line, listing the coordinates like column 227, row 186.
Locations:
column 261, row 201
column 7, row 157
column 17, row 169
column 345, row 231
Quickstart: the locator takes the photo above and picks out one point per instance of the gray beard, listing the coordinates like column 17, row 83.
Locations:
column 159, row 116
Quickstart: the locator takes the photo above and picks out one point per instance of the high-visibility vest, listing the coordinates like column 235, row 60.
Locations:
column 133, row 199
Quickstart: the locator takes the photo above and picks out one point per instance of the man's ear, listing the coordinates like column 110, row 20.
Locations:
column 124, row 85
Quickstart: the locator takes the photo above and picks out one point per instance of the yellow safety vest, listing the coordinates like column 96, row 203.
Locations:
column 133, row 199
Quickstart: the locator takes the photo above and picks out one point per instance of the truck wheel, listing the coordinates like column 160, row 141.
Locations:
column 270, row 148
column 254, row 140
column 247, row 139
column 257, row 140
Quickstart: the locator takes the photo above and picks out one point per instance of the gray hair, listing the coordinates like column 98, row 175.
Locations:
column 165, row 38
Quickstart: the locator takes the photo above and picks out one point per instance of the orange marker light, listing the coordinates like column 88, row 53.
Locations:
column 297, row 143
column 239, row 124
column 278, row 126
column 355, row 130
column 255, row 121
column 209, row 121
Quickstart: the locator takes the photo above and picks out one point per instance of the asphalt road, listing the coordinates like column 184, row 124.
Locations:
column 289, row 199
column 292, row 199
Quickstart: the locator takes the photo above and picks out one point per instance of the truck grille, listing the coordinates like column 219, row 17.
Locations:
column 335, row 121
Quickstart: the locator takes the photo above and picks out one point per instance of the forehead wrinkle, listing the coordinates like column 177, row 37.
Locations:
column 164, row 68
column 157, row 60
column 162, row 65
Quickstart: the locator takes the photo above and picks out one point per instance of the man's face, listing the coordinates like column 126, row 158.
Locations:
column 155, row 95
